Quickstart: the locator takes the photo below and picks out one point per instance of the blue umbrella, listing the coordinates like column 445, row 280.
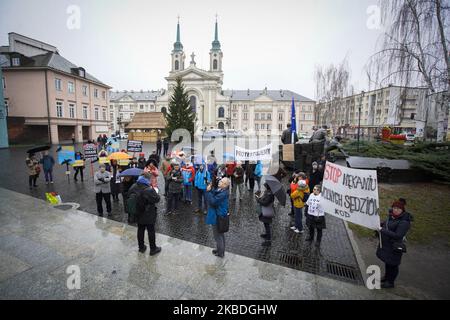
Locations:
column 133, row 172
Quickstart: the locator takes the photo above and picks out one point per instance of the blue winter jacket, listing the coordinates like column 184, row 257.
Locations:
column 200, row 176
column 212, row 167
column 47, row 163
column 217, row 205
column 259, row 169
column 187, row 175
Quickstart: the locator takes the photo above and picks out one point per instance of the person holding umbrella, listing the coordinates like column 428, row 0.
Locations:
column 265, row 201
column 33, row 169
column 274, row 189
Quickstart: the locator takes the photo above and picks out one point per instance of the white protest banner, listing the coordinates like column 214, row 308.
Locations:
column 351, row 195
column 241, row 154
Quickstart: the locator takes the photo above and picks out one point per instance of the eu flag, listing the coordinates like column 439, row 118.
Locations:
column 293, row 122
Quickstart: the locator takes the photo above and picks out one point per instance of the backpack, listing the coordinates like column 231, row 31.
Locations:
column 133, row 200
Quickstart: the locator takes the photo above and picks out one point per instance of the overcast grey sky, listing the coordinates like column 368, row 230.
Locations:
column 127, row 44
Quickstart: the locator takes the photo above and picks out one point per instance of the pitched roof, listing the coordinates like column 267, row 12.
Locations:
column 54, row 61
column 138, row 96
column 277, row 95
column 147, row 120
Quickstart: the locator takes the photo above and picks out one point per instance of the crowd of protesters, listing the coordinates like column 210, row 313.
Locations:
column 216, row 186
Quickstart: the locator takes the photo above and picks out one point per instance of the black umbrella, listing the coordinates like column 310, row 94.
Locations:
column 38, row 149
column 277, row 189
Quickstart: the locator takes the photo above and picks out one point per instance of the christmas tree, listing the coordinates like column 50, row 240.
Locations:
column 180, row 114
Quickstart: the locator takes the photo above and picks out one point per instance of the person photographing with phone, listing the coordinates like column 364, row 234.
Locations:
column 217, row 217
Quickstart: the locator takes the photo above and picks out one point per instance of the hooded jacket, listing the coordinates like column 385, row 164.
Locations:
column 200, row 178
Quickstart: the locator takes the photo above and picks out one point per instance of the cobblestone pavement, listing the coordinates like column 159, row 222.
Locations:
column 335, row 258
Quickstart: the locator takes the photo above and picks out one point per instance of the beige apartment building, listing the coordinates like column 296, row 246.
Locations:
column 48, row 98
column 410, row 110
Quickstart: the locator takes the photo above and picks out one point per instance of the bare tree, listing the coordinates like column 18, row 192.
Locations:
column 414, row 48
column 332, row 85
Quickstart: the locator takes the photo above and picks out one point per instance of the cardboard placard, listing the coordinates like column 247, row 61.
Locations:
column 66, row 155
column 288, row 152
column 124, row 162
column 134, row 146
column 78, row 163
column 103, row 160
column 90, row 151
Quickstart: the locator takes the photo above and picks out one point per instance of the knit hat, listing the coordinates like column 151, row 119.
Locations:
column 143, row 180
column 302, row 184
column 399, row 204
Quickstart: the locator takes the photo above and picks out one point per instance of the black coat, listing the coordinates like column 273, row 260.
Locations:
column 250, row 170
column 286, row 137
column 392, row 232
column 146, row 210
column 266, row 200
column 315, row 178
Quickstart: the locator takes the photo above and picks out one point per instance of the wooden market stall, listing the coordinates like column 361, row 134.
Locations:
column 147, row 126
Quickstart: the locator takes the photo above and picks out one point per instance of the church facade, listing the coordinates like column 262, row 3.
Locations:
column 261, row 112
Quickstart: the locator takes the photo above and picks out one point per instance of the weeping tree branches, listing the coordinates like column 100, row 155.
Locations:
column 332, row 84
column 414, row 48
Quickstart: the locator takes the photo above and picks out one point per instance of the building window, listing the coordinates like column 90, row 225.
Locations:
column 280, row 116
column 245, row 116
column 234, row 115
column 104, row 113
column 95, row 93
column 177, row 65
column 193, row 103
column 104, row 95
column 4, row 82
column 214, row 64
column 245, row 107
column 256, row 127
column 280, row 126
column 84, row 89
column 269, row 116
column 164, row 110
column 268, row 127
column 6, row 107
column 221, row 112
column 141, row 107
column 15, row 62
column 85, row 112
column 221, row 125
column 111, row 116
column 256, row 116
column 59, row 109
column 70, row 87
column 58, row 84
column 263, row 126
column 263, row 116
column 96, row 113
column 72, row 110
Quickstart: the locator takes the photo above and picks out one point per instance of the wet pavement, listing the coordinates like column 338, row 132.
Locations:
column 44, row 251
column 334, row 259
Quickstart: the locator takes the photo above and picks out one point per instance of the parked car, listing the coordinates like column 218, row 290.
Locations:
column 410, row 137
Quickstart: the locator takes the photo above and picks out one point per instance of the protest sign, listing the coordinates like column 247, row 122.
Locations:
column 78, row 163
column 124, row 162
column 103, row 160
column 66, row 155
column 90, row 151
column 288, row 152
column 241, row 154
column 351, row 195
column 134, row 146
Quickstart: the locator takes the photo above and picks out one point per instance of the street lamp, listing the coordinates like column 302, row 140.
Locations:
column 359, row 116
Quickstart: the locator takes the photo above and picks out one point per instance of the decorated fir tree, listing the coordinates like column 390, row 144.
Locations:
column 180, row 115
